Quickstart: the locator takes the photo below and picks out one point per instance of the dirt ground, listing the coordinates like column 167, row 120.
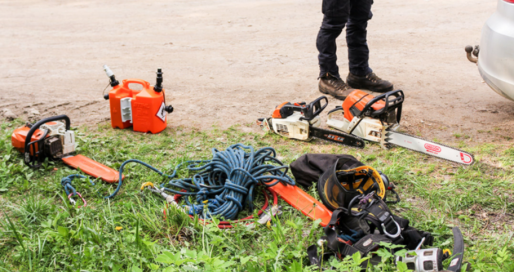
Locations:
column 228, row 62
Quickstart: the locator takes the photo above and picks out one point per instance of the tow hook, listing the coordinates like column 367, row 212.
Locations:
column 472, row 53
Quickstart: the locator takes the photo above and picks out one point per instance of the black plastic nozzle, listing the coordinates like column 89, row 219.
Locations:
column 158, row 84
column 114, row 82
column 106, row 96
column 169, row 109
column 110, row 74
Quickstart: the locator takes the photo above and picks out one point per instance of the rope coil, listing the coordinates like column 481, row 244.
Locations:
column 228, row 180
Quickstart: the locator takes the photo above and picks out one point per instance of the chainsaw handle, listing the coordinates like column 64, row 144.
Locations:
column 390, row 104
column 314, row 108
column 29, row 159
column 126, row 82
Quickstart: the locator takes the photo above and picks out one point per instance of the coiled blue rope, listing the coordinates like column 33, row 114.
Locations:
column 226, row 181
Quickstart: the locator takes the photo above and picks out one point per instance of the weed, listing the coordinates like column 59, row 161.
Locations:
column 41, row 231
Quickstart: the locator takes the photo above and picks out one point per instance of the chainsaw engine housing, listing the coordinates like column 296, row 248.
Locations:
column 49, row 138
column 365, row 115
column 369, row 128
column 294, row 127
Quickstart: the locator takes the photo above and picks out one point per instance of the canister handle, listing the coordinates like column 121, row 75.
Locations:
column 126, row 82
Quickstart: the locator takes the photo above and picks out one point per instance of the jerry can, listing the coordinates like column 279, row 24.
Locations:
column 145, row 110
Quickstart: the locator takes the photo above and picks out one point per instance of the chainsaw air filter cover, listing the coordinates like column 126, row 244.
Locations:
column 53, row 146
column 346, row 179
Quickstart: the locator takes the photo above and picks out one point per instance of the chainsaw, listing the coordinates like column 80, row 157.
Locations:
column 52, row 139
column 301, row 121
column 377, row 119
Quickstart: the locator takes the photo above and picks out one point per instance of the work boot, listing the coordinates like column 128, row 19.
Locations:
column 329, row 84
column 369, row 82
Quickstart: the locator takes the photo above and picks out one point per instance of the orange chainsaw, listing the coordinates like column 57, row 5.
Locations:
column 377, row 119
column 301, row 121
column 52, row 139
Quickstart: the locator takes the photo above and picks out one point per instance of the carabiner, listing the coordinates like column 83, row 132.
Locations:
column 147, row 184
column 73, row 202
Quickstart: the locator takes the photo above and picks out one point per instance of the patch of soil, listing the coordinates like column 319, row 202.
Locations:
column 229, row 62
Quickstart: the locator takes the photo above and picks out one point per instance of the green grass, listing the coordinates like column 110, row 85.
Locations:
column 41, row 231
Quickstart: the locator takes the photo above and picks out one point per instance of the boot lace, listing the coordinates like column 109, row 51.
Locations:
column 373, row 78
column 337, row 83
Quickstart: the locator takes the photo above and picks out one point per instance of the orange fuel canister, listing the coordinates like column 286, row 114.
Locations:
column 116, row 95
column 145, row 110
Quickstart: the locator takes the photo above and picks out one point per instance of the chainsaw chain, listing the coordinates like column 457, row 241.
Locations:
column 361, row 146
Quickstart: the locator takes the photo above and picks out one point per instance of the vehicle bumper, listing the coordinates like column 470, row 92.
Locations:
column 496, row 58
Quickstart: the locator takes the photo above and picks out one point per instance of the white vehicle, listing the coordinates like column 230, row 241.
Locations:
column 495, row 55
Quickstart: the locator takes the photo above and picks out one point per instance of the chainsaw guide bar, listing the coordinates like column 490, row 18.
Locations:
column 337, row 137
column 421, row 145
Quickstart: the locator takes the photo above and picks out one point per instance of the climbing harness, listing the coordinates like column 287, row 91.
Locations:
column 340, row 178
column 346, row 179
column 367, row 222
column 70, row 190
column 367, row 214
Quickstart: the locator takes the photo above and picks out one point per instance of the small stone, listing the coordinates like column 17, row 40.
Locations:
column 8, row 114
column 33, row 112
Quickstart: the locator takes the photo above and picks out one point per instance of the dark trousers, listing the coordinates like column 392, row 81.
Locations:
column 354, row 14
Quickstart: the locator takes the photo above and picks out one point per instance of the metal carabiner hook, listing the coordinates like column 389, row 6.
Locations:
column 389, row 234
column 73, row 202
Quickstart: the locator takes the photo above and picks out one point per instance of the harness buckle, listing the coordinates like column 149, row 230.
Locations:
column 397, row 234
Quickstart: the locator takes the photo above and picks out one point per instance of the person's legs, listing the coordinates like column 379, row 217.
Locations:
column 361, row 76
column 336, row 14
column 356, row 37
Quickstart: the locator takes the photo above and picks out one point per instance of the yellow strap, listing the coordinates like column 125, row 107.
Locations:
column 363, row 170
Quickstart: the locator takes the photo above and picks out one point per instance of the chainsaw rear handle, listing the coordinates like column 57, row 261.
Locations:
column 314, row 108
column 35, row 160
column 390, row 104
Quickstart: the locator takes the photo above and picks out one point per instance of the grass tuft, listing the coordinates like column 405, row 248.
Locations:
column 41, row 231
